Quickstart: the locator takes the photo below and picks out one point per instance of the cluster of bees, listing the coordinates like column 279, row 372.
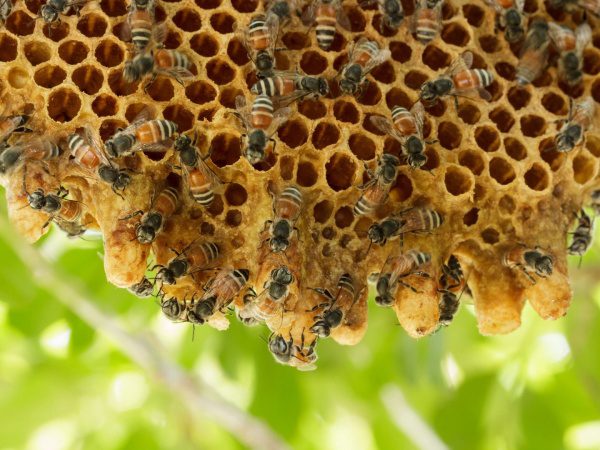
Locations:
column 276, row 290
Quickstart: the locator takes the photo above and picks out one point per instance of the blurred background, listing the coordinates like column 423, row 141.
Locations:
column 66, row 385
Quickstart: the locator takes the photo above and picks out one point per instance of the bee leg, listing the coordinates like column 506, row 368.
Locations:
column 62, row 192
column 426, row 275
column 527, row 274
column 406, row 285
column 456, row 102
column 118, row 193
column 133, row 214
column 147, row 85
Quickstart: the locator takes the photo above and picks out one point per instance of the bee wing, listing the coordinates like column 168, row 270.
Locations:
column 279, row 117
column 385, row 125
column 418, row 112
column 159, row 34
column 381, row 56
column 497, row 7
column 463, row 62
column 556, row 33
column 243, row 111
column 583, row 36
column 179, row 73
column 308, row 15
column 209, row 173
column 144, row 115
column 272, row 24
column 520, row 5
column 95, row 142
column 342, row 17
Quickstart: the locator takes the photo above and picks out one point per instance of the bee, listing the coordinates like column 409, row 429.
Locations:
column 391, row 11
column 172, row 309
column 510, row 17
column 458, row 80
column 326, row 14
column 51, row 11
column 412, row 220
column 259, row 38
column 531, row 261
column 570, row 44
column 407, row 128
column 90, row 154
column 260, row 123
column 377, row 188
column 282, row 9
column 427, row 20
column 451, row 285
column 579, row 120
column 219, row 293
column 60, row 209
column 5, row 10
column 582, row 236
column 335, row 308
column 286, row 210
column 163, row 206
column 201, row 179
column 192, row 259
column 143, row 289
column 591, row 6
column 33, row 149
column 290, row 86
column 171, row 63
column 398, row 267
column 534, row 55
column 276, row 290
column 364, row 57
column 141, row 135
column 595, row 203
column 280, row 348
column 12, row 124
column 141, row 24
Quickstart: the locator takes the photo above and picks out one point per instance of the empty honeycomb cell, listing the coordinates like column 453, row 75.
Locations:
column 363, row 147
column 584, row 168
column 384, row 73
column 530, row 6
column 515, row 149
column 339, row 171
column 435, row 58
column 436, row 110
column 244, row 6
column 322, row 211
column 206, row 45
column 506, row 70
column 495, row 90
column 73, row 52
column 200, row 92
column 591, row 62
column 293, row 133
column 313, row 63
column 35, row 52
column 575, row 91
column 544, row 80
column 208, row 4
column 490, row 236
column 33, row 5
column 49, row 76
column 109, row 127
column 92, row 25
column 105, row 105
column 592, row 143
column 268, row 162
column 518, row 97
column 457, row 181
column 474, row 14
column 294, row 40
column 532, row 125
column 225, row 149
column 17, row 77
column 487, row 138
column 172, row 40
column 220, row 71
column 507, row 205
column 338, row 44
column 235, row 50
column 235, row 194
column 449, row 135
column 433, row 159
column 282, row 62
column 8, row 49
column 400, row 51
column 471, row 217
column 596, row 41
column 503, row 119
column 181, row 116
column 325, row 134
column 345, row 112
column 549, row 154
column 368, row 125
column 393, row 147
column 108, row 53
column 88, row 79
column 207, row 114
column 307, row 174
column 501, row 171
column 454, row 33
column 56, row 32
column 313, row 109
column 207, row 229
column 361, row 227
column 415, row 79
column 469, row 113
column 134, row 110
column 357, row 19
column 228, row 96
column 114, row 8
column 187, row 20
column 489, row 43
column 222, row 23
column 340, row 62
column 397, row 97
column 596, row 91
column 161, row 90
column 216, row 207
column 371, row 95
column 286, row 167
column 537, row 178
column 63, row 105
column 402, row 188
column 344, row 217
column 472, row 160
column 122, row 31
column 328, row 233
column 20, row 23
column 555, row 103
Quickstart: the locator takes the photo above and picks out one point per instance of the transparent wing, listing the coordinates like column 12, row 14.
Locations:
column 279, row 117
column 243, row 111
column 209, row 173
column 494, row 4
column 342, row 17
column 308, row 15
column 179, row 73
column 557, row 35
column 381, row 56
column 385, row 125
column 418, row 112
column 272, row 24
column 583, row 36
column 463, row 62
column 520, row 5
column 97, row 145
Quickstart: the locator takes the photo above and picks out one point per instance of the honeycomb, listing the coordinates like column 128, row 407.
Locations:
column 491, row 170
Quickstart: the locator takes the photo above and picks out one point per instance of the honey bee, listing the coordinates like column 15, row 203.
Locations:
column 280, row 348
column 335, row 309
column 286, row 210
column 51, row 11
column 364, row 57
column 266, row 305
column 326, row 14
column 591, row 6
column 282, row 9
column 12, row 124
column 163, row 206
column 391, row 11
column 582, row 236
column 259, row 38
column 88, row 152
column 291, row 86
column 458, row 80
column 5, row 10
column 201, row 179
column 451, row 285
column 60, row 209
column 407, row 128
column 260, row 123
column 145, row 32
column 173, row 309
column 143, row 289
column 531, row 261
column 194, row 258
column 219, row 293
column 510, row 17
column 395, row 268
column 141, row 135
column 595, row 201
column 171, row 63
column 31, row 149
column 378, row 187
column 427, row 20
column 579, row 120
column 412, row 220
column 570, row 44
column 534, row 55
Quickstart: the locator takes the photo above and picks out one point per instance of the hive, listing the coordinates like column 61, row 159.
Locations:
column 491, row 171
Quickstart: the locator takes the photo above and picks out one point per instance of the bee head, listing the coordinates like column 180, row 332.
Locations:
column 166, row 275
column 202, row 311
column 321, row 328
column 37, row 199
column 171, row 308
column 375, row 233
column 145, row 234
column 264, row 62
column 544, row 265
column 334, row 317
column 144, row 288
column 182, row 142
column 280, row 348
column 282, row 275
column 416, row 160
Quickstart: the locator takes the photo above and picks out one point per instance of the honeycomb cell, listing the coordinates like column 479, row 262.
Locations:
column 489, row 43
column 20, row 23
column 379, row 25
column 36, row 52
column 490, row 236
column 472, row 160
column 235, row 194
column 596, row 91
column 344, row 217
column 506, row 70
column 159, row 14
column 591, row 62
column 63, row 105
column 433, row 159
column 469, row 113
column 161, row 90
column 328, row 233
column 206, row 45
column 503, row 119
column 454, row 33
column 294, row 40
column 532, row 125
column 584, row 168
column 17, row 77
column 368, row 125
column 363, row 147
column 415, row 79
column 92, row 25
column 357, row 19
column 507, row 205
column 8, row 49
column 220, row 71
column 225, row 149
column 207, row 229
column 187, row 20
column 108, row 53
column 402, row 188
column 180, row 115
column 325, row 134
column 515, row 149
column 244, row 6
column 286, row 167
column 55, row 32
column 339, row 171
column 474, row 14
column 397, row 97
column 487, row 138
column 88, row 79
column 313, row 109
column 400, row 51
column 114, row 8
column 222, row 23
column 200, row 92
column 33, row 6
column 109, row 127
column 449, row 135
column 207, row 114
column 536, row 178
column 502, row 171
column 518, row 97
column 345, row 112
column 307, row 175
column 457, row 182
column 549, row 154
column 228, row 96
column 322, row 211
column 371, row 95
column 49, row 76
column 134, row 110
column 436, row 110
column 235, row 50
column 172, row 40
column 555, row 104
column 471, row 217
column 312, row 63
column 293, row 133
column 384, row 73
column 105, row 105
column 530, row 6
column 571, row 91
column 435, row 58
column 592, row 143
column 208, row 4
column 393, row 147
